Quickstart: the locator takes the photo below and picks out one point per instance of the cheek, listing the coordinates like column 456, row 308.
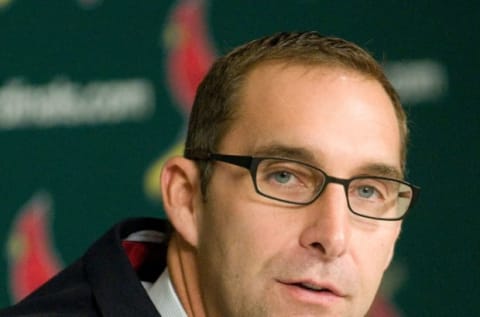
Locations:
column 243, row 236
column 237, row 243
column 380, row 243
column 247, row 232
column 239, row 221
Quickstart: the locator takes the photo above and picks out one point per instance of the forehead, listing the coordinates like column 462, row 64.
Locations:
column 321, row 109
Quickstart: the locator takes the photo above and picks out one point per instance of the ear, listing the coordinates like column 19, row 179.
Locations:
column 392, row 247
column 181, row 195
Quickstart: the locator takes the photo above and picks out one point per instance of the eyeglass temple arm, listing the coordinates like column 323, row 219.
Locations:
column 242, row 161
column 238, row 160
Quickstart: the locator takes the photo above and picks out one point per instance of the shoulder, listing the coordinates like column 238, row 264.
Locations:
column 67, row 294
column 101, row 283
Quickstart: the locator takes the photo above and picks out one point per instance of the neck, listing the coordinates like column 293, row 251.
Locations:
column 182, row 267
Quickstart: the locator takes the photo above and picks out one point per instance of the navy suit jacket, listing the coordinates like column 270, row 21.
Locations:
column 105, row 281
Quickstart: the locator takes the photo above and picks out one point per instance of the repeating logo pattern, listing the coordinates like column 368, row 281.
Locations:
column 32, row 258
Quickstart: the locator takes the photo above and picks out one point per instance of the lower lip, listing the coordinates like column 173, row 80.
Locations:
column 322, row 298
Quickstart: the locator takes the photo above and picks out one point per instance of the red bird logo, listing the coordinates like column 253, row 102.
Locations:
column 31, row 257
column 189, row 50
column 190, row 54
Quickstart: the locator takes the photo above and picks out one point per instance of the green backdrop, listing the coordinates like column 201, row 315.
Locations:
column 86, row 108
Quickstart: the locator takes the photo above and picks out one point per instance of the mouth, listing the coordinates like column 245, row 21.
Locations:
column 313, row 292
column 312, row 287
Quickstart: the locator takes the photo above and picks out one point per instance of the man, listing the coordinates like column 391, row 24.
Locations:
column 287, row 202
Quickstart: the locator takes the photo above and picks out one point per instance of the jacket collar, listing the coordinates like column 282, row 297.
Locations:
column 116, row 285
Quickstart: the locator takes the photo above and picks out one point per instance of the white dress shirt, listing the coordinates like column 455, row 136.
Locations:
column 164, row 297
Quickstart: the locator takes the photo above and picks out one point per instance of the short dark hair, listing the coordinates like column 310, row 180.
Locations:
column 217, row 96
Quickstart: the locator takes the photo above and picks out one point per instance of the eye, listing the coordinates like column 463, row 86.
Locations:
column 366, row 191
column 370, row 189
column 282, row 177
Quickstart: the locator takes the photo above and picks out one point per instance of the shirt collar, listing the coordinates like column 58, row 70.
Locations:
column 164, row 297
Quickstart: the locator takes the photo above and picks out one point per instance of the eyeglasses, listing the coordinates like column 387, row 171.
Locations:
column 295, row 182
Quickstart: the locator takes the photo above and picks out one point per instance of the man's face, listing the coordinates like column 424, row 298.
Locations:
column 260, row 257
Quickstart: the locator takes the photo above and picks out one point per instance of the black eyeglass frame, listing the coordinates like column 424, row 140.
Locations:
column 251, row 164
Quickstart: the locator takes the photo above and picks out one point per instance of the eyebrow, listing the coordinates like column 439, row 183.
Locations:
column 278, row 150
column 380, row 169
column 301, row 154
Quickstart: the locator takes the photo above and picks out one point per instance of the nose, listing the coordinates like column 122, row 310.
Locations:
column 327, row 227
